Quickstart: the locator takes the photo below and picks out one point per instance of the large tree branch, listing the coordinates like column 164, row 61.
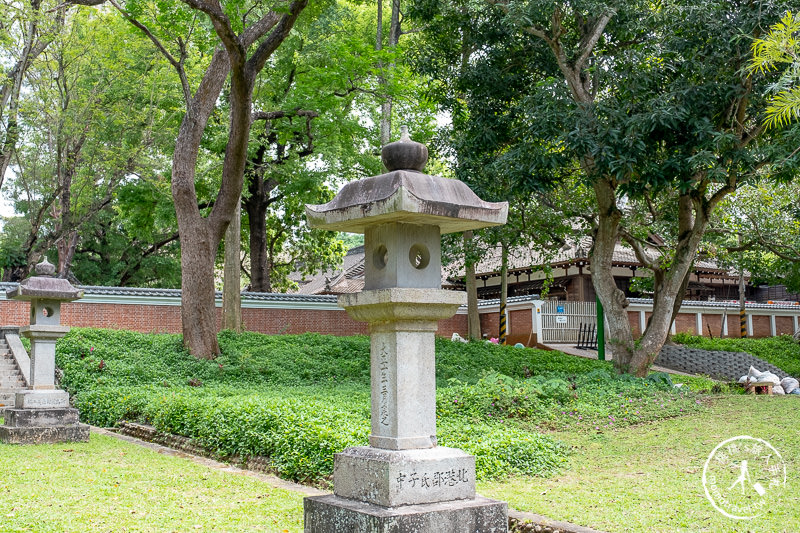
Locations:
column 260, row 28
column 237, row 51
column 88, row 3
column 156, row 246
column 176, row 63
column 590, row 40
column 638, row 250
column 275, row 38
column 272, row 115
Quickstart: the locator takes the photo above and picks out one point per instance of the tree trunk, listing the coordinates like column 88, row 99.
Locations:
column 620, row 340
column 198, row 310
column 473, row 318
column 200, row 237
column 10, row 89
column 66, row 252
column 666, row 305
column 384, row 77
column 232, row 275
column 742, row 298
column 259, row 273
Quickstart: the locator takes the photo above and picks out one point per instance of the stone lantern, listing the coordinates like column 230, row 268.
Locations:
column 42, row 413
column 403, row 479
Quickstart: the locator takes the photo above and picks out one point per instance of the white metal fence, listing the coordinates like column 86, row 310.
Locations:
column 561, row 321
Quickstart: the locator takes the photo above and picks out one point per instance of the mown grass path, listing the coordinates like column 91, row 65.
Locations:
column 112, row 485
column 649, row 477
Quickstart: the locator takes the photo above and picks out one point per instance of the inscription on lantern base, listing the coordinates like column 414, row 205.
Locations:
column 55, row 399
column 406, row 477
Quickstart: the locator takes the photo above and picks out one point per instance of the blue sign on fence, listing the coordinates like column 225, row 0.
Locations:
column 559, row 309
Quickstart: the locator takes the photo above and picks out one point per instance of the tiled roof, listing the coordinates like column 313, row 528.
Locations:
column 347, row 286
column 722, row 304
column 350, row 278
column 324, row 281
column 90, row 290
column 525, row 257
column 510, row 300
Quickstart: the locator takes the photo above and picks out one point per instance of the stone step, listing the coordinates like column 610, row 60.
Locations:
column 12, row 371
column 7, row 398
column 11, row 383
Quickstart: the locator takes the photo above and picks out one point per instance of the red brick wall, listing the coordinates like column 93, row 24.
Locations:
column 686, row 323
column 167, row 318
column 490, row 324
column 519, row 322
column 292, row 321
column 761, row 326
column 784, row 325
column 14, row 313
column 457, row 324
column 734, row 327
column 633, row 320
column 520, row 325
column 713, row 321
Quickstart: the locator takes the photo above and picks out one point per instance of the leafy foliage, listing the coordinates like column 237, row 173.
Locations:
column 633, row 101
column 276, row 396
column 599, row 399
column 781, row 47
column 782, row 351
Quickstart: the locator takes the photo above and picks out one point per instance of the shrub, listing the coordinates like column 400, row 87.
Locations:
column 298, row 399
column 782, row 351
column 598, row 399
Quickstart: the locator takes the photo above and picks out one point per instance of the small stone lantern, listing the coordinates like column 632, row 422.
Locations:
column 403, row 479
column 42, row 413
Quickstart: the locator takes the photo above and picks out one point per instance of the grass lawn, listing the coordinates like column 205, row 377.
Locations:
column 649, row 477
column 638, row 478
column 112, row 485
column 553, row 434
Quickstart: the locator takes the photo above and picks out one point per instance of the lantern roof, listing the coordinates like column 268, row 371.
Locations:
column 405, row 194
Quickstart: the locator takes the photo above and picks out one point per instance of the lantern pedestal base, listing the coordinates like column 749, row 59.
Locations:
column 331, row 514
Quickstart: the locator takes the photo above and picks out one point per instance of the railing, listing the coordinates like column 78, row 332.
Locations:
column 587, row 337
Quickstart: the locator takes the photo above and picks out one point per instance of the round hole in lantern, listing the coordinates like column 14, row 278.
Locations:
column 381, row 257
column 47, row 311
column 419, row 256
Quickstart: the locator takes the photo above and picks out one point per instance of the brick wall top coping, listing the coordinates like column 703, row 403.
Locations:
column 704, row 304
column 511, row 300
column 149, row 296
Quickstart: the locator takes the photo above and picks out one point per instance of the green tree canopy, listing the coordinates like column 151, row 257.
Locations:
column 650, row 105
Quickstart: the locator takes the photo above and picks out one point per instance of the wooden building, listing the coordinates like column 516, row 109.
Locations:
column 570, row 276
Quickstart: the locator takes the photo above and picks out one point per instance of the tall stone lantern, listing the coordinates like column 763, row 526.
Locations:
column 42, row 414
column 403, row 481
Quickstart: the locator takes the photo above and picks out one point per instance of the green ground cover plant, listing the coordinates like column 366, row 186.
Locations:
column 300, row 399
column 782, row 351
